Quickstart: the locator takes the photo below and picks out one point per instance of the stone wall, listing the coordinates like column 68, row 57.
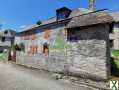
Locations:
column 115, row 36
column 90, row 54
column 87, row 56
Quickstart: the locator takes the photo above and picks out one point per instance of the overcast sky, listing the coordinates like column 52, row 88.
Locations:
column 17, row 14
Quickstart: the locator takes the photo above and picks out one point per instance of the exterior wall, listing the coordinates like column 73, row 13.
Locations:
column 115, row 36
column 87, row 56
column 8, row 39
column 56, row 58
column 90, row 54
column 6, row 43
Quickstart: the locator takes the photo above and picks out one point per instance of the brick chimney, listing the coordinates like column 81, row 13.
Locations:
column 92, row 5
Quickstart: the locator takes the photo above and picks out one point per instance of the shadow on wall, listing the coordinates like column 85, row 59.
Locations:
column 114, row 68
column 87, row 33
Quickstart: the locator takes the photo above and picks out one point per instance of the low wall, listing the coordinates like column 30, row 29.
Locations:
column 53, row 63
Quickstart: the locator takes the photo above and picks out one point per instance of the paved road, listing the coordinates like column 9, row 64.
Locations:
column 14, row 77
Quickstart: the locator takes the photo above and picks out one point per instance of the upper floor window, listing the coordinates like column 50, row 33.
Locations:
column 63, row 13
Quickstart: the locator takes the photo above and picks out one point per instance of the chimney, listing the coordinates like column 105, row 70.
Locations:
column 92, row 5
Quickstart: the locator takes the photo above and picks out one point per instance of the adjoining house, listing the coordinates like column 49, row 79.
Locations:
column 6, row 42
column 74, row 42
column 6, row 39
column 114, row 32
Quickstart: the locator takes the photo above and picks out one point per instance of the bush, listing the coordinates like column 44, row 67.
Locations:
column 115, row 63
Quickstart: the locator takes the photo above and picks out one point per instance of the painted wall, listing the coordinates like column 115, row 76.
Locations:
column 54, row 57
column 80, row 52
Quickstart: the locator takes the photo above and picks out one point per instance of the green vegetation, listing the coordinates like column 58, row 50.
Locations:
column 59, row 43
column 115, row 53
column 3, row 56
column 115, row 63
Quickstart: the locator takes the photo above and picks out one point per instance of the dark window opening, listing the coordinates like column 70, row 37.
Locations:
column 72, row 36
column 1, row 51
column 63, row 13
column 3, row 39
column 111, row 28
column 45, row 49
column 6, row 32
column 111, row 43
column 17, row 47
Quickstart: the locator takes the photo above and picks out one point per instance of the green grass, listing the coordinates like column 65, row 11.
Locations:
column 115, row 53
column 115, row 63
column 3, row 56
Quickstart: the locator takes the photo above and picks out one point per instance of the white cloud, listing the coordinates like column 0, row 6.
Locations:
column 23, row 26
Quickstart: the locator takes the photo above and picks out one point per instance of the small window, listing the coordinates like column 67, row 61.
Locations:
column 63, row 13
column 45, row 49
column 111, row 43
column 3, row 39
column 6, row 32
column 111, row 28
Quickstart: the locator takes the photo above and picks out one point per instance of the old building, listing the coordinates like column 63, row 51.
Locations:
column 6, row 39
column 74, row 42
column 114, row 32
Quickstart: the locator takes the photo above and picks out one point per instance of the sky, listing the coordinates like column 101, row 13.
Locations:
column 18, row 14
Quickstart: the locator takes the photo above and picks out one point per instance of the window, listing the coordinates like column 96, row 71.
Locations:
column 111, row 28
column 61, row 16
column 3, row 39
column 6, row 32
column 63, row 13
column 72, row 36
column 45, row 49
column 111, row 43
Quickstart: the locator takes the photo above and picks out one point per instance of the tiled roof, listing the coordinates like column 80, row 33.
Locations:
column 115, row 16
column 90, row 19
column 74, row 13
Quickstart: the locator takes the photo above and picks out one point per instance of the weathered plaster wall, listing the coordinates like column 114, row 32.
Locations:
column 55, row 60
column 86, row 53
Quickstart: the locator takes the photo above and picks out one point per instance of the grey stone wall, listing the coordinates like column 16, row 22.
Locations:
column 90, row 55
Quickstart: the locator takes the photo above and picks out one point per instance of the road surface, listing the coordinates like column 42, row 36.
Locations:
column 15, row 77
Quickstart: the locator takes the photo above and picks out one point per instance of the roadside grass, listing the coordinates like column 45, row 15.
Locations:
column 115, row 64
column 3, row 56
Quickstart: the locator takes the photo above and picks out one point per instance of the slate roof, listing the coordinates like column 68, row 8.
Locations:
column 10, row 33
column 115, row 16
column 90, row 19
column 74, row 13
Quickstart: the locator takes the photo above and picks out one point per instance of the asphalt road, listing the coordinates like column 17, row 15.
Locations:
column 15, row 77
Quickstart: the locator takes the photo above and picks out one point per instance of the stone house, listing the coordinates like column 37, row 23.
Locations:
column 6, row 39
column 114, row 33
column 74, row 42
